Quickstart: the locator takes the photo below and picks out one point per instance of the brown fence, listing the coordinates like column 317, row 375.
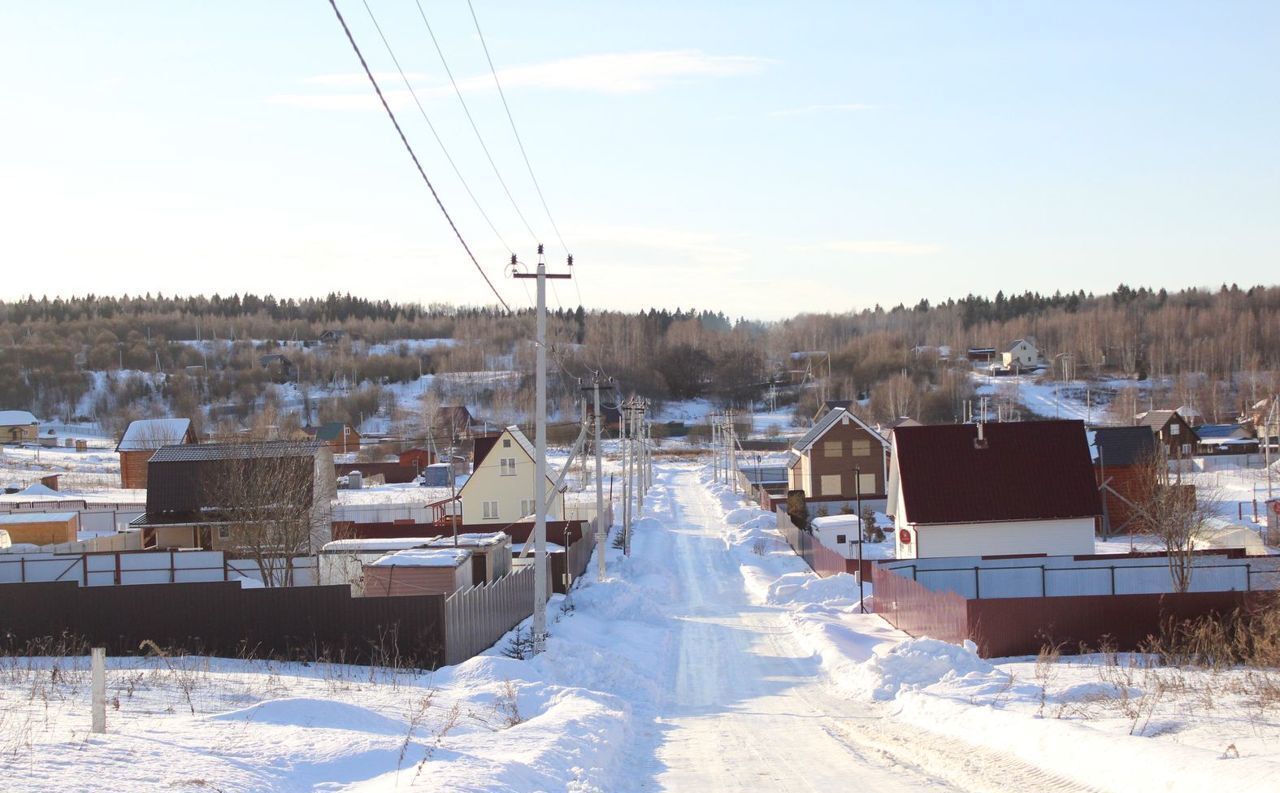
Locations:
column 1022, row 626
column 821, row 559
column 913, row 608
column 216, row 618
column 477, row 617
column 1004, row 627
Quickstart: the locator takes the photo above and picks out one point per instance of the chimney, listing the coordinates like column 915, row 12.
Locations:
column 980, row 442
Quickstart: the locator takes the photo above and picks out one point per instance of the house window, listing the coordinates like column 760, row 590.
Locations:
column 862, row 448
column 1174, row 429
column 1186, row 449
column 832, row 449
column 840, row 539
column 527, row 507
column 490, row 510
column 224, row 532
column 506, row 443
column 508, row 466
column 830, row 485
column 866, row 484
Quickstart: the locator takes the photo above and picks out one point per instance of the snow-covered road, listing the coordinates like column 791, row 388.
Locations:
column 747, row 707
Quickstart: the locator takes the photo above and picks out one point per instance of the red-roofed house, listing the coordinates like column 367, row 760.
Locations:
column 993, row 489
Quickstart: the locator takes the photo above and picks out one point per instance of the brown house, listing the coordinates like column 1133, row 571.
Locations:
column 452, row 422
column 18, row 426
column 141, row 440
column 1172, row 431
column 825, row 461
column 419, row 571
column 1123, row 460
column 214, row 495
column 340, row 436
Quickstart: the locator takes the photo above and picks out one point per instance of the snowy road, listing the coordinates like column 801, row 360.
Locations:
column 748, row 707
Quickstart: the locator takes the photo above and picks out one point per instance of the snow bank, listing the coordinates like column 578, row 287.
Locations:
column 916, row 663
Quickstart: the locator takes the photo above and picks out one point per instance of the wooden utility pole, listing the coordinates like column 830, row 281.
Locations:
column 540, row 459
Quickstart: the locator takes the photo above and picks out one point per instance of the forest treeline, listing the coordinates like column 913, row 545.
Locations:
column 54, row 353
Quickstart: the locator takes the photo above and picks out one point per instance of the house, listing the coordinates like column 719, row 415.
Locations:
column 417, row 458
column 839, row 448
column 41, row 528
column 340, row 436
column 502, row 489
column 830, row 405
column 993, row 489
column 18, row 426
column 264, row 497
column 1226, row 439
column 418, row 571
column 981, row 354
column 332, row 336
column 280, row 367
column 140, row 441
column 1172, row 431
column 1021, row 354
column 452, row 423
column 1123, row 459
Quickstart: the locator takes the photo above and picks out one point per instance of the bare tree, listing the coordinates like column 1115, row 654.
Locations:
column 1176, row 514
column 270, row 504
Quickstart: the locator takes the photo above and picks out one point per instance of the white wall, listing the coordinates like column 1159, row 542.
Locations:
column 1054, row 537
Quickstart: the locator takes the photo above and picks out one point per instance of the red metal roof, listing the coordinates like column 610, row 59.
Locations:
column 1031, row 470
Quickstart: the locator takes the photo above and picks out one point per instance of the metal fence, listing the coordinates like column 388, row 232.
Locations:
column 129, row 568
column 986, row 579
column 821, row 559
column 223, row 619
column 478, row 616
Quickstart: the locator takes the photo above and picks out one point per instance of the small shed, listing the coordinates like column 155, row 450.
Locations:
column 418, row 571
column 41, row 528
column 490, row 553
column 142, row 439
column 343, row 561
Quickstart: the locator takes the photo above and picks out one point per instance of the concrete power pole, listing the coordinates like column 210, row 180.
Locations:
column 602, row 531
column 540, row 459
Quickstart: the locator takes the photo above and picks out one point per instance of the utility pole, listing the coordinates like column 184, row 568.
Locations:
column 715, row 447
column 624, row 409
column 540, row 459
column 602, row 531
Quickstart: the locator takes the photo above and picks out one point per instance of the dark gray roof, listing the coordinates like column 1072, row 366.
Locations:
column 236, row 451
column 1156, row 419
column 828, row 421
column 1124, row 445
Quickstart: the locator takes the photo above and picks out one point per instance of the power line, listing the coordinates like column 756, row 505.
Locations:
column 378, row 90
column 472, row 121
column 432, row 127
column 514, row 131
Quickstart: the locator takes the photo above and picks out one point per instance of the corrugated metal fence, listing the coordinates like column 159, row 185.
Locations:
column 477, row 617
column 821, row 559
column 222, row 619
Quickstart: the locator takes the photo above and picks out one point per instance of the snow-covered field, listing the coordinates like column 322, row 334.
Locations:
column 710, row 659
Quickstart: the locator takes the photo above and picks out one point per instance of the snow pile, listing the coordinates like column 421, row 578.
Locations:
column 917, row 663
column 800, row 588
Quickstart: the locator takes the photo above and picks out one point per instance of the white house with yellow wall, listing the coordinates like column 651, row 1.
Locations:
column 502, row 489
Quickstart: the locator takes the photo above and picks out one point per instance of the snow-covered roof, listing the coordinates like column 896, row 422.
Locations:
column 835, row 521
column 150, row 434
column 376, row 545
column 14, row 418
column 39, row 489
column 35, row 517
column 827, row 422
column 470, row 540
column 424, row 557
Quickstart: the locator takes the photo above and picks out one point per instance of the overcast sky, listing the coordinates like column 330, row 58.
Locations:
column 761, row 158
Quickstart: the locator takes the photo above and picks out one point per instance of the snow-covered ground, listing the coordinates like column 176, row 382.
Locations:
column 710, row 659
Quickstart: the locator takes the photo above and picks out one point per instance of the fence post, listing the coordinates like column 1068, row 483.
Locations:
column 1113, row 579
column 1044, row 589
column 98, row 660
column 977, row 585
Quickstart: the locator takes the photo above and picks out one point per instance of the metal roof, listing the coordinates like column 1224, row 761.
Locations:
column 827, row 422
column 1123, row 446
column 236, row 451
column 1032, row 470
